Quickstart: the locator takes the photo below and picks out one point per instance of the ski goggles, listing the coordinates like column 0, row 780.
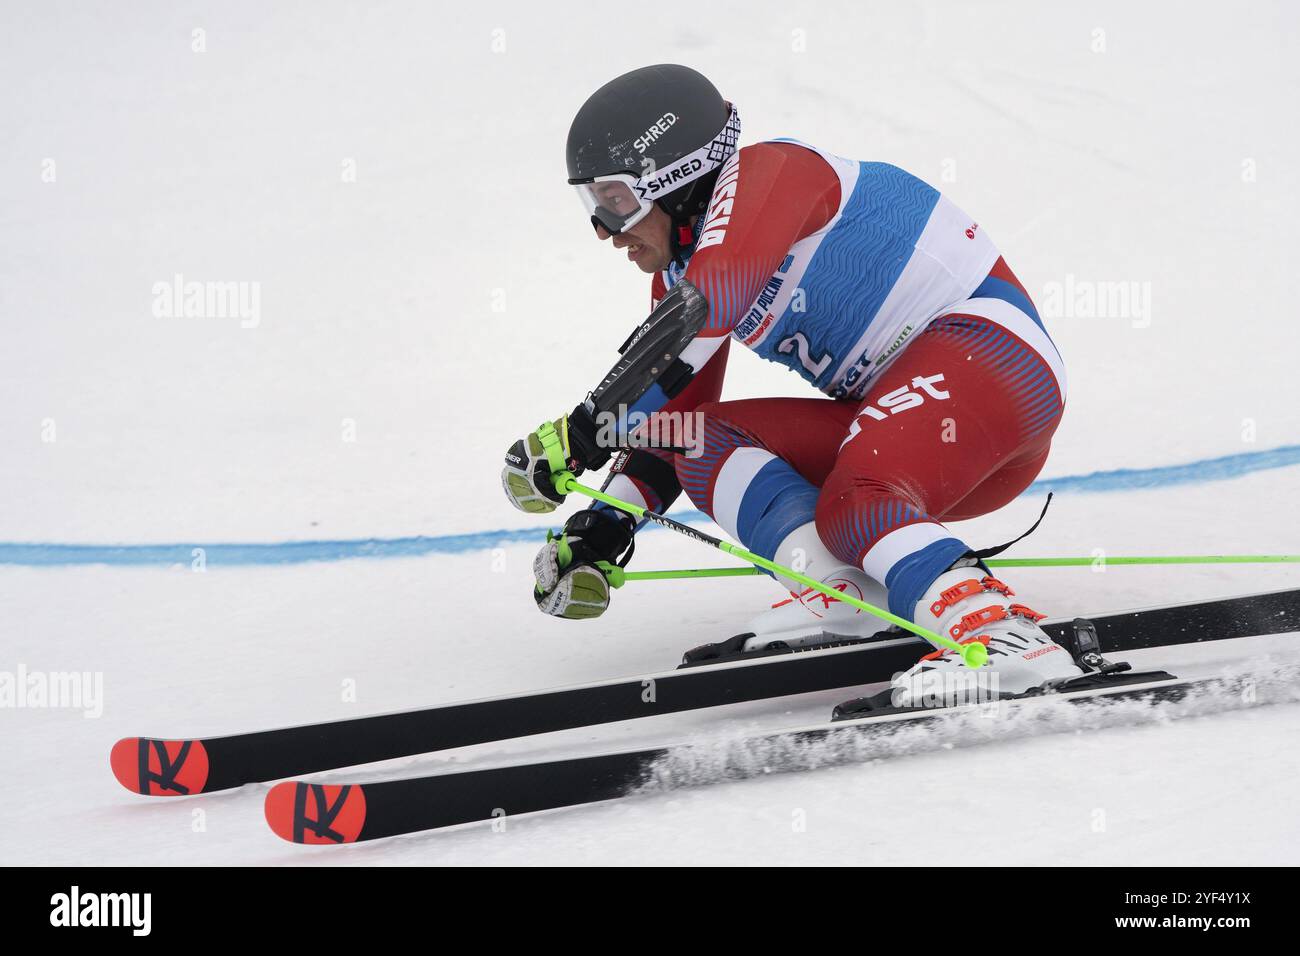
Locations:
column 614, row 202
column 618, row 201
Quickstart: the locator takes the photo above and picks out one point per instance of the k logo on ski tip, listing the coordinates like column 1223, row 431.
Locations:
column 316, row 813
column 160, row 768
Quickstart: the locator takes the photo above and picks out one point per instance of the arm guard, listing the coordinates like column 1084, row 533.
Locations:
column 650, row 356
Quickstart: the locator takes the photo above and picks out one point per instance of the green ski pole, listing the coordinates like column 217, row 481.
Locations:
column 973, row 654
column 677, row 573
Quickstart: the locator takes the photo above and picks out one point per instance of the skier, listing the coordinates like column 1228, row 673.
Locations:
column 942, row 387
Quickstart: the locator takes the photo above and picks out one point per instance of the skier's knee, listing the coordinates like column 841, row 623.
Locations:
column 701, row 440
column 829, row 517
column 845, row 490
column 853, row 511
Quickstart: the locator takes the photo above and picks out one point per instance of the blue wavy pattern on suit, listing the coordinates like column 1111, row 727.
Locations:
column 857, row 263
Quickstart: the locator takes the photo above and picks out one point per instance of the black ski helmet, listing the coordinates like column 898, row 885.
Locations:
column 659, row 125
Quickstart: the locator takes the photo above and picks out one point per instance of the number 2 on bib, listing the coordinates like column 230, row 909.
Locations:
column 800, row 342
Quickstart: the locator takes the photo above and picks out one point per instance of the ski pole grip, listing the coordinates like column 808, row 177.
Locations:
column 553, row 446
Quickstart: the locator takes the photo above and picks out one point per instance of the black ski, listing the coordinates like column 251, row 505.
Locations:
column 178, row 766
column 347, row 813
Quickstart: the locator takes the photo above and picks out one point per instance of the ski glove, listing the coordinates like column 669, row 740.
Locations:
column 526, row 476
column 573, row 570
column 568, row 443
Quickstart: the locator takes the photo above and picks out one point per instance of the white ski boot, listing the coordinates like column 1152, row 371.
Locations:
column 807, row 617
column 967, row 605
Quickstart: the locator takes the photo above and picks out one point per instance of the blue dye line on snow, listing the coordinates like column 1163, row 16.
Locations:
column 1211, row 469
column 296, row 552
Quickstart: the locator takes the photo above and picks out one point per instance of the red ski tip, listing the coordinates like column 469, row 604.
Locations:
column 160, row 768
column 316, row 813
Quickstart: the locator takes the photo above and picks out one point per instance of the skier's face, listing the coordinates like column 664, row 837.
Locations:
column 646, row 242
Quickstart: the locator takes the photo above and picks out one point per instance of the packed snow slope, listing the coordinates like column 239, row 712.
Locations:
column 391, row 178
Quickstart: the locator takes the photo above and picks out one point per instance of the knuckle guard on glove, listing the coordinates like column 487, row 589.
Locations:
column 546, row 566
column 582, row 592
column 526, row 478
column 569, row 582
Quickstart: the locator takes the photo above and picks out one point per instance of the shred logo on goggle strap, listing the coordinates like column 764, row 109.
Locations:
column 684, row 171
column 705, row 159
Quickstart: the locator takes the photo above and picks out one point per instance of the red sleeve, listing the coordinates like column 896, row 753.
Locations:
column 705, row 385
column 657, row 290
column 771, row 196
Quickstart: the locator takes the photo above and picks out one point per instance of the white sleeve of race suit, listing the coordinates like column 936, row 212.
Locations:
column 625, row 489
column 697, row 354
column 701, row 349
